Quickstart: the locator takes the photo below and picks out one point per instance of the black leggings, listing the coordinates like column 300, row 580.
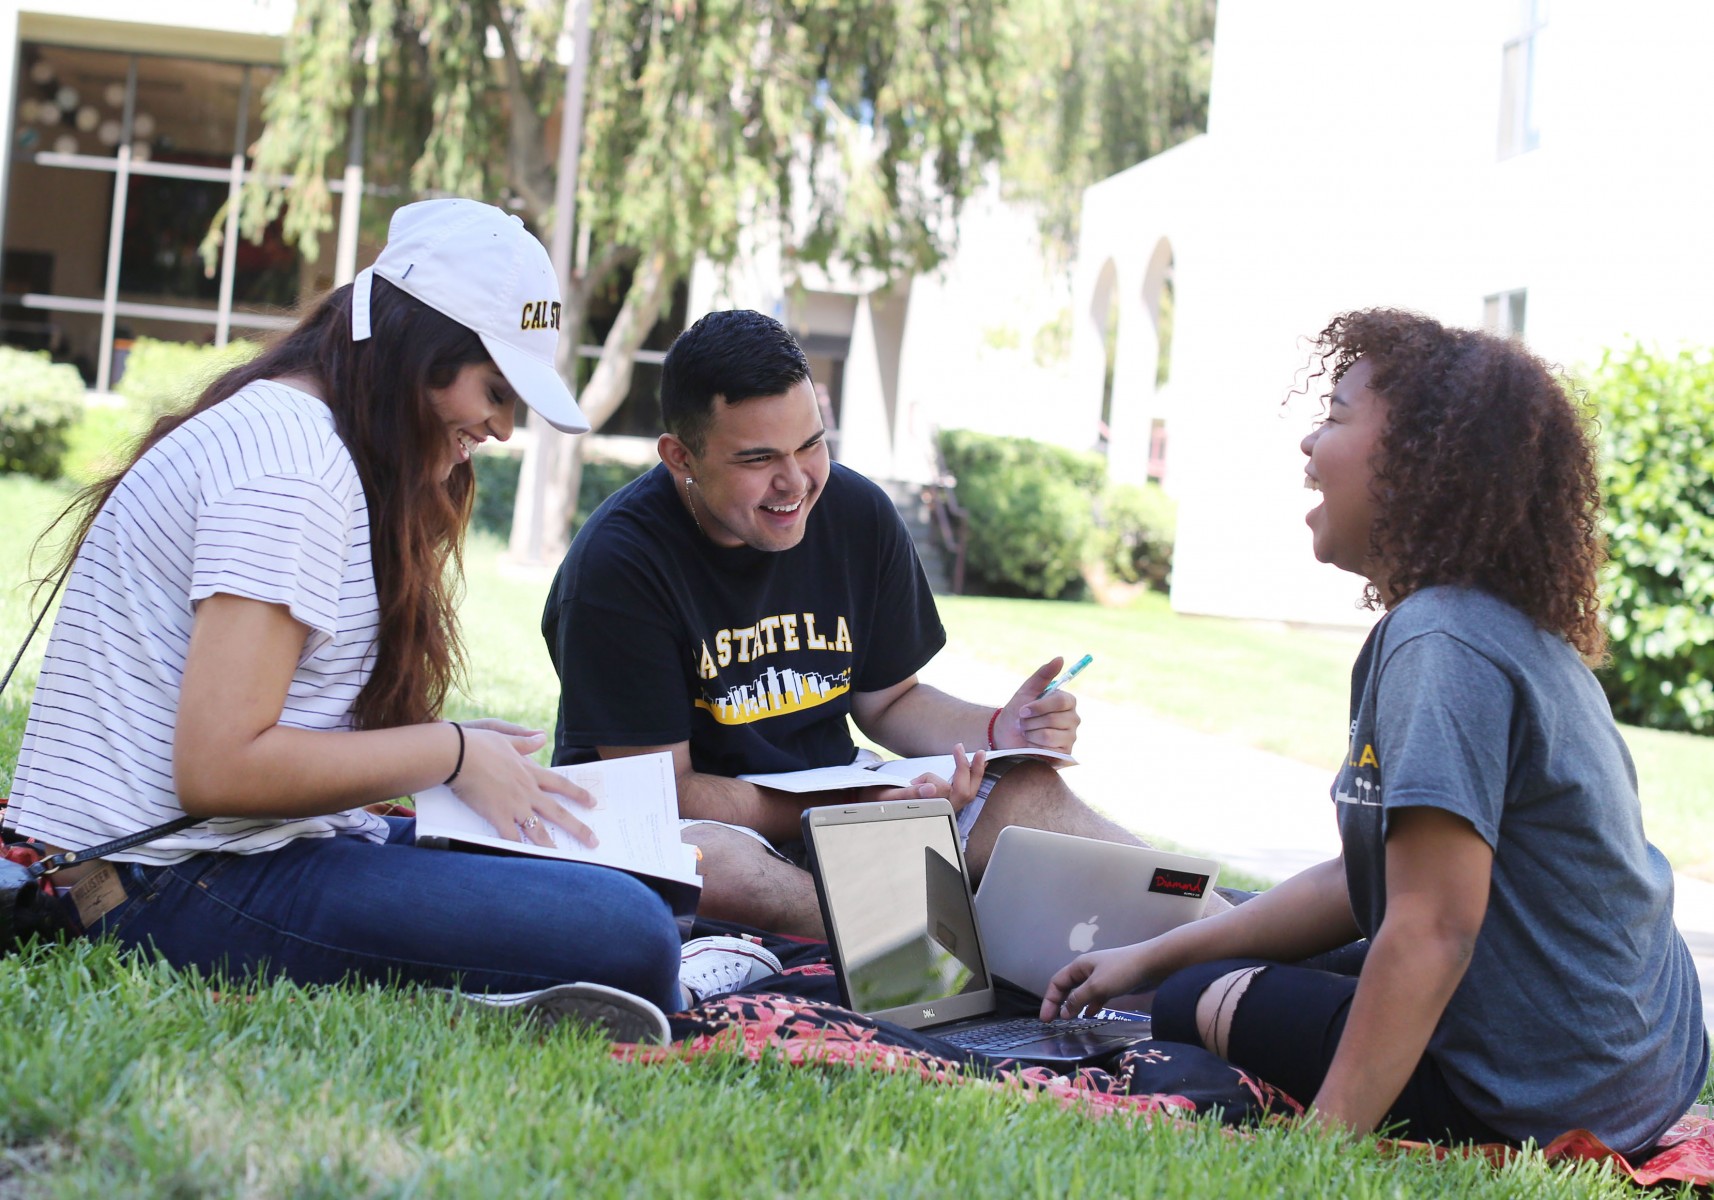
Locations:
column 1285, row 1029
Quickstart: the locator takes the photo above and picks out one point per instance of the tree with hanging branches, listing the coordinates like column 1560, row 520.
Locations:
column 1094, row 87
column 847, row 133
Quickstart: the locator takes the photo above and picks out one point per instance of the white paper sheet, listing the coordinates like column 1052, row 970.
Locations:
column 635, row 819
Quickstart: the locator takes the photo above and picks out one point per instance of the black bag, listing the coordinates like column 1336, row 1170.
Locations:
column 30, row 908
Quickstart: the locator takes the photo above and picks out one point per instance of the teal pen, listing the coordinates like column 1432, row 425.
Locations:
column 1069, row 672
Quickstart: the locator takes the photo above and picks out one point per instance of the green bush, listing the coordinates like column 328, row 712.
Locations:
column 39, row 400
column 1030, row 507
column 1137, row 526
column 164, row 376
column 1657, row 443
column 497, row 490
column 600, row 480
column 100, row 439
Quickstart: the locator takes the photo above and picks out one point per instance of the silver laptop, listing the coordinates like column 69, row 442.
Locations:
column 1048, row 897
column 901, row 926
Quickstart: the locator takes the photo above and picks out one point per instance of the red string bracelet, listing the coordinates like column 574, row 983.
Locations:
column 991, row 721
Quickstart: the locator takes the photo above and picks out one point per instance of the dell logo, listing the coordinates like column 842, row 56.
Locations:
column 927, row 1013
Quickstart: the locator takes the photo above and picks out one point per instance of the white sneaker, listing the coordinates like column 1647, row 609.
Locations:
column 712, row 966
column 622, row 1016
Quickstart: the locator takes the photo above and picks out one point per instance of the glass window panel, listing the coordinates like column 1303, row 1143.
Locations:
column 165, row 220
column 57, row 220
column 268, row 273
column 261, row 79
column 67, row 337
column 1514, row 67
column 70, row 101
column 187, row 109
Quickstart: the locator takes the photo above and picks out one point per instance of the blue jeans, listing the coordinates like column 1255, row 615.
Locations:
column 340, row 909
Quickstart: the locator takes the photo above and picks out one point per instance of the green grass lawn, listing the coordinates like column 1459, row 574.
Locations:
column 124, row 1079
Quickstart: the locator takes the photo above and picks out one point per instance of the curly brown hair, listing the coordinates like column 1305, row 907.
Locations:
column 1486, row 472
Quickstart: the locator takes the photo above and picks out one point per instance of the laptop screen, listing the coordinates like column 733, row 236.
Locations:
column 900, row 911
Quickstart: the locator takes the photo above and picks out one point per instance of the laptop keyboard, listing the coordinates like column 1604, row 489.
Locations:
column 1005, row 1035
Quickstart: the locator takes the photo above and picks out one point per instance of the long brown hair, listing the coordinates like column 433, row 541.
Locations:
column 1486, row 472
column 378, row 392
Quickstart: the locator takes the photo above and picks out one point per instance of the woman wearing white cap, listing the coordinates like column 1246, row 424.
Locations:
column 259, row 629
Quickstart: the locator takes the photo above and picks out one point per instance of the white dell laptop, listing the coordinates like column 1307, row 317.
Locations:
column 904, row 942
column 1048, row 897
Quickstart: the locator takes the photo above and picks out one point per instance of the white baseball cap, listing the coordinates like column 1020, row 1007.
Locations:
column 480, row 266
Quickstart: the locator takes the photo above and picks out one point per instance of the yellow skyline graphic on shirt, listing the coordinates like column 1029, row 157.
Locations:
column 775, row 693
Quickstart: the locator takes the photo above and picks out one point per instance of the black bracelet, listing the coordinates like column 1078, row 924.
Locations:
column 459, row 765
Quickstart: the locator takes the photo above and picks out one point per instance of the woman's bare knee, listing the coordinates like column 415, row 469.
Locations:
column 1214, row 1009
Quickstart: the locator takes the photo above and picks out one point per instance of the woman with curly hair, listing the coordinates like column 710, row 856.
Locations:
column 1522, row 975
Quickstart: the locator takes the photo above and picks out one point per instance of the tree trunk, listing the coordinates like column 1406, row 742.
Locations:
column 541, row 517
column 650, row 287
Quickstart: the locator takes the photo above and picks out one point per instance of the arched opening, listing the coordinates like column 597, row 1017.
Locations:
column 1159, row 302
column 1104, row 312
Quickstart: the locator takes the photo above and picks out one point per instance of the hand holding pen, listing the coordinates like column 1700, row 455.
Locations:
column 1073, row 669
column 1040, row 713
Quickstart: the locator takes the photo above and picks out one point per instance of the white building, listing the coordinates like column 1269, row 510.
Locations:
column 1479, row 160
column 128, row 129
column 1540, row 171
column 967, row 346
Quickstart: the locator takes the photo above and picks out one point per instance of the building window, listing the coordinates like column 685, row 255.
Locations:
column 1519, row 70
column 120, row 163
column 1157, row 451
column 1503, row 313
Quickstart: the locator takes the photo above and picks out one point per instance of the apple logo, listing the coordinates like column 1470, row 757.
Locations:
column 1083, row 935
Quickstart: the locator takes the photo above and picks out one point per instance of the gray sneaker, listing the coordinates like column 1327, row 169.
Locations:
column 620, row 1015
column 712, row 966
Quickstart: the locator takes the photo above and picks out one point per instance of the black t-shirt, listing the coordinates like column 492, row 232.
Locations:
column 659, row 636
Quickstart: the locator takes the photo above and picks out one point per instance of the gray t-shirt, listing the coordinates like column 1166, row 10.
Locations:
column 1580, row 1008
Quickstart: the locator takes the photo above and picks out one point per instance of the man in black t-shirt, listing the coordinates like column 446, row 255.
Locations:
column 737, row 603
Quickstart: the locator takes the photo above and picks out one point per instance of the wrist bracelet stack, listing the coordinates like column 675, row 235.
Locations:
column 459, row 765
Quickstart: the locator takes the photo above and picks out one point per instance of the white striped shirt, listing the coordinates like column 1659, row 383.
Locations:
column 257, row 497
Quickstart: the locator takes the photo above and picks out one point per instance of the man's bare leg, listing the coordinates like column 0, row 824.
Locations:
column 744, row 881
column 1034, row 795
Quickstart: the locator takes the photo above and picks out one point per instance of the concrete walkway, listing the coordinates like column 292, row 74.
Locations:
column 1255, row 812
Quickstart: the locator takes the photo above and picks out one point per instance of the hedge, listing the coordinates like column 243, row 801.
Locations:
column 1657, row 463
column 39, row 400
column 163, row 376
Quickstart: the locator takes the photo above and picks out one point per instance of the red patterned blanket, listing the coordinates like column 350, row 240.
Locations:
column 1167, row 1082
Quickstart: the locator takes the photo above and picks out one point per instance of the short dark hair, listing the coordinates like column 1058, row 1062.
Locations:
column 735, row 355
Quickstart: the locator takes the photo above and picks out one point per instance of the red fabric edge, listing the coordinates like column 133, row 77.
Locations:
column 1686, row 1153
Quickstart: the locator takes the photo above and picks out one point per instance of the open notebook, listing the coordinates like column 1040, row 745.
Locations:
column 635, row 819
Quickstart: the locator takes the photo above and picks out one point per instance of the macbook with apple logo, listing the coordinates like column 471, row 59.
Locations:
column 1048, row 897
column 906, row 945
